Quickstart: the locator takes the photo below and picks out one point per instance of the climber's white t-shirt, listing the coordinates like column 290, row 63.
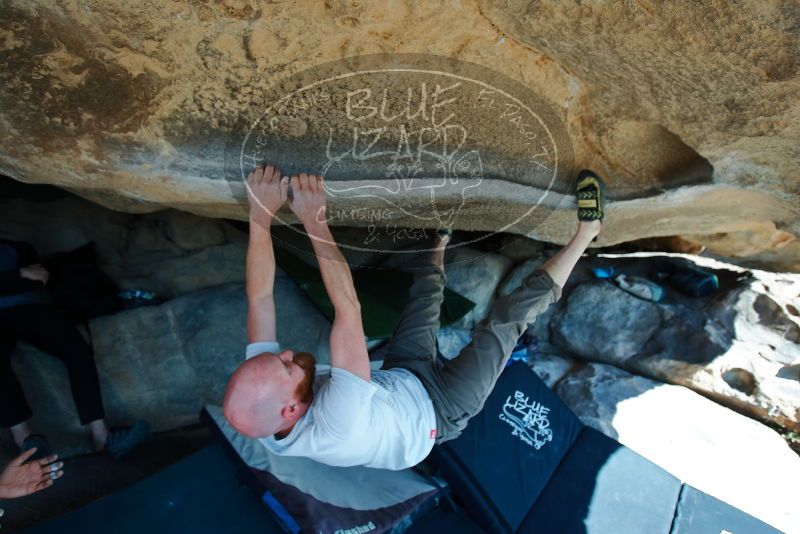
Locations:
column 386, row 423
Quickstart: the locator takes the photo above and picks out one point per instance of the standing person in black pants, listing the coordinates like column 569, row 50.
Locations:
column 26, row 312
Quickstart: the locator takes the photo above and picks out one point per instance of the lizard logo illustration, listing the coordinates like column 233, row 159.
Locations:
column 443, row 177
column 528, row 419
column 408, row 144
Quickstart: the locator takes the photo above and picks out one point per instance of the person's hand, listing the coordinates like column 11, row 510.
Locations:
column 308, row 198
column 19, row 478
column 35, row 272
column 266, row 192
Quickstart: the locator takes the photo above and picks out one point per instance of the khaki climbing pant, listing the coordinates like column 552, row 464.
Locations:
column 459, row 388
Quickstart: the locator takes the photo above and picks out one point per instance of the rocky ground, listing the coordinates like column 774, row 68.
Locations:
column 708, row 388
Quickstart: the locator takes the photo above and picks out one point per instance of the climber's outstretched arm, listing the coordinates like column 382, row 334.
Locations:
column 348, row 347
column 560, row 266
column 266, row 192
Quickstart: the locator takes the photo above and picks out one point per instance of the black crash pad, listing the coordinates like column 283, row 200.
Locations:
column 198, row 494
column 444, row 520
column 508, row 452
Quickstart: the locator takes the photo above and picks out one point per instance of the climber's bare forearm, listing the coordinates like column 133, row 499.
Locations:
column 260, row 283
column 348, row 347
column 347, row 342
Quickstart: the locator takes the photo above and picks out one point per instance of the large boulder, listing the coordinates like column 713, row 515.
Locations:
column 742, row 351
column 475, row 275
column 518, row 274
column 190, row 232
column 168, row 252
column 177, row 274
column 520, row 248
column 739, row 347
column 451, row 340
column 163, row 363
column 714, row 449
column 602, row 322
column 67, row 223
column 131, row 107
column 551, row 368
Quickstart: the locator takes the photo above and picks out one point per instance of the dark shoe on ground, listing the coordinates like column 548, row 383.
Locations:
column 123, row 440
column 42, row 446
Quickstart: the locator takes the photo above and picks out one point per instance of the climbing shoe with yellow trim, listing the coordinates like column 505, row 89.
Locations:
column 590, row 192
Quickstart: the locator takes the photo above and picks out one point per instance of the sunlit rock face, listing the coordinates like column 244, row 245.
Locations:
column 692, row 437
column 689, row 110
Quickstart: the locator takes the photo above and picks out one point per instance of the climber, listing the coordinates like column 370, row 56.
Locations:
column 388, row 418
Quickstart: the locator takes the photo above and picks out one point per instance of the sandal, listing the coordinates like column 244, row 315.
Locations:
column 590, row 193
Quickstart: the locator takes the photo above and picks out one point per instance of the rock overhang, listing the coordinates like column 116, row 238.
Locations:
column 133, row 107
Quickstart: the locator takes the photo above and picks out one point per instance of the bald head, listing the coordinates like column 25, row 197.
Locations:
column 269, row 392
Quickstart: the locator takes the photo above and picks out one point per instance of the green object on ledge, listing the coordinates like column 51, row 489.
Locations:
column 383, row 294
